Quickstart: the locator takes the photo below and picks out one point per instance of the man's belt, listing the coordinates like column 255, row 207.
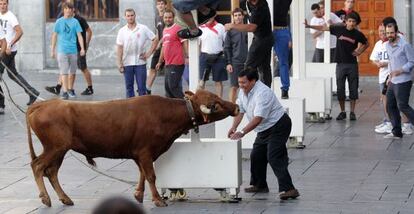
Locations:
column 280, row 27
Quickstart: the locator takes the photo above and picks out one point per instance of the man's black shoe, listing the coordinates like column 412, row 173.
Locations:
column 341, row 116
column 285, row 94
column 148, row 92
column 202, row 19
column 352, row 116
column 186, row 34
column 53, row 89
column 32, row 98
column 293, row 193
column 88, row 91
column 254, row 189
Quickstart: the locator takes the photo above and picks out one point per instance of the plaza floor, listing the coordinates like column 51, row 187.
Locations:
column 345, row 167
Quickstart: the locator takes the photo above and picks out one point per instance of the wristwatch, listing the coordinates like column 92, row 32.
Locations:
column 241, row 131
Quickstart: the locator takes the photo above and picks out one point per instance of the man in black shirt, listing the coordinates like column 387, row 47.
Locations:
column 350, row 44
column 282, row 37
column 260, row 51
column 348, row 8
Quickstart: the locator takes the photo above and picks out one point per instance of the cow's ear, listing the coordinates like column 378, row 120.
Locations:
column 188, row 94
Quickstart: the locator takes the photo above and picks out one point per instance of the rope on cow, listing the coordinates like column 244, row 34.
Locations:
column 100, row 172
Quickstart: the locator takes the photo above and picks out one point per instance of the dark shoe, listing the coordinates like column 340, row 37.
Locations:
column 352, row 116
column 88, row 91
column 254, row 189
column 65, row 96
column 393, row 136
column 71, row 93
column 53, row 89
column 1, row 110
column 202, row 19
column 186, row 34
column 148, row 92
column 293, row 193
column 341, row 116
column 32, row 98
column 285, row 94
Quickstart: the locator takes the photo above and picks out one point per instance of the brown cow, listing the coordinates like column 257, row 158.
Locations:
column 140, row 128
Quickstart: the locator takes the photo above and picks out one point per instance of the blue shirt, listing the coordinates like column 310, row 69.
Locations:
column 67, row 29
column 261, row 102
column 401, row 56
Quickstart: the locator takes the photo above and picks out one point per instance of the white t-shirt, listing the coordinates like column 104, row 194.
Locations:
column 212, row 42
column 8, row 21
column 379, row 53
column 320, row 40
column 133, row 42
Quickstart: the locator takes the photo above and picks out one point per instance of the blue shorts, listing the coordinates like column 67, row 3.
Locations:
column 185, row 6
column 216, row 66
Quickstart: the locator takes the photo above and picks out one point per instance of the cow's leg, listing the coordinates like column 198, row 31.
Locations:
column 148, row 168
column 139, row 193
column 38, row 166
column 52, row 174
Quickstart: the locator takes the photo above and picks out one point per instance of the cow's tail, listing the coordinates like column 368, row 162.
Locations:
column 29, row 135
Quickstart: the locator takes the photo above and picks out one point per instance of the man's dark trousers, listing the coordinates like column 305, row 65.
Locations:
column 270, row 147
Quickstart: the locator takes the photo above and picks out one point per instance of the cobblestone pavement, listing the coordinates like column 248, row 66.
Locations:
column 345, row 168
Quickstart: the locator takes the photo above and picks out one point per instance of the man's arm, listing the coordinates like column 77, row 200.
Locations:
column 89, row 34
column 80, row 40
column 317, row 34
column 19, row 34
column 360, row 49
column 119, row 55
column 249, row 127
column 241, row 27
column 316, row 27
column 160, row 60
column 53, row 45
column 236, row 123
column 154, row 44
column 3, row 47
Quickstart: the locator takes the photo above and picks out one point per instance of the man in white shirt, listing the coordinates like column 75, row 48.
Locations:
column 212, row 56
column 318, row 10
column 13, row 33
column 267, row 117
column 3, row 45
column 131, row 53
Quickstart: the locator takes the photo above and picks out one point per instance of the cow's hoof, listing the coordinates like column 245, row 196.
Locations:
column 160, row 203
column 46, row 200
column 139, row 196
column 66, row 201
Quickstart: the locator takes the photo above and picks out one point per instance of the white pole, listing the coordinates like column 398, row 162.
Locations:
column 298, row 39
column 327, row 51
column 193, row 58
column 272, row 61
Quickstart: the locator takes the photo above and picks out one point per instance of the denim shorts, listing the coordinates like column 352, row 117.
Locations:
column 185, row 6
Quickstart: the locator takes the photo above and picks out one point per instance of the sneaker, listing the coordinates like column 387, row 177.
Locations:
column 386, row 128
column 381, row 125
column 1, row 110
column 88, row 91
column 32, row 97
column 392, row 136
column 293, row 193
column 341, row 116
column 65, row 96
column 53, row 89
column 285, row 94
column 186, row 34
column 254, row 189
column 71, row 93
column 407, row 128
column 352, row 116
column 202, row 19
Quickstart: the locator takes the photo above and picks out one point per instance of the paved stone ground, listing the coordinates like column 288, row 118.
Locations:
column 345, row 168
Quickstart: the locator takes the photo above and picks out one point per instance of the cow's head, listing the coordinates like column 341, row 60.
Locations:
column 210, row 106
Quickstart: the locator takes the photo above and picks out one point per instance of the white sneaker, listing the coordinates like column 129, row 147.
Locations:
column 407, row 128
column 380, row 125
column 392, row 136
column 386, row 128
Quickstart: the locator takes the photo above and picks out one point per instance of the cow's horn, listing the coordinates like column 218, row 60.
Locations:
column 205, row 110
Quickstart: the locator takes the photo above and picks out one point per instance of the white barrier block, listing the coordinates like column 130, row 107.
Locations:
column 222, row 127
column 326, row 71
column 312, row 89
column 211, row 163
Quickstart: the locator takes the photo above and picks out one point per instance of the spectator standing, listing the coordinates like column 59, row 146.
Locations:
column 212, row 55
column 348, row 8
column 173, row 54
column 131, row 53
column 235, row 51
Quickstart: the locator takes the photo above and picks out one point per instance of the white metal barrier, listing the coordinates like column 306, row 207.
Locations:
column 327, row 72
column 210, row 163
